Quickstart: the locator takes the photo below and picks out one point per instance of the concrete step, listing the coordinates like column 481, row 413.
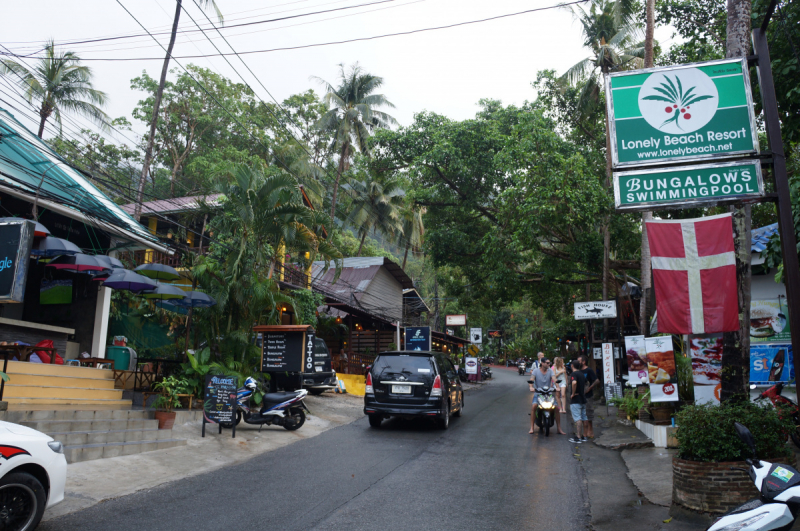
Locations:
column 72, row 426
column 63, row 381
column 72, row 438
column 88, row 452
column 45, row 369
column 35, row 401
column 76, row 414
column 53, row 391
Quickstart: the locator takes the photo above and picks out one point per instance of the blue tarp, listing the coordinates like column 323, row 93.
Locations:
column 761, row 236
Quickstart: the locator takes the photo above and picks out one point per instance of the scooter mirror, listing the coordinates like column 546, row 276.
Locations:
column 746, row 437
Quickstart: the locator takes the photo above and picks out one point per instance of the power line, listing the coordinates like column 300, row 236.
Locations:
column 315, row 45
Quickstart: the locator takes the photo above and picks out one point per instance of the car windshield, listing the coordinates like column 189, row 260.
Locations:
column 409, row 365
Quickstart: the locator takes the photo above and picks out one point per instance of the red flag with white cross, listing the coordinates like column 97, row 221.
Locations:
column 694, row 272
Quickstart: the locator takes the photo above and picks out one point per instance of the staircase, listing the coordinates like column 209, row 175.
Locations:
column 44, row 384
column 96, row 434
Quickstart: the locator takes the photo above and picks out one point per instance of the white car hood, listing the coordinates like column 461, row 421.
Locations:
column 22, row 430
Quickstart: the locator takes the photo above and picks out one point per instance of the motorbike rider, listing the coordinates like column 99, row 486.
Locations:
column 542, row 377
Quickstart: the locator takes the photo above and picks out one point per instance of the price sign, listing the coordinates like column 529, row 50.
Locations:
column 283, row 351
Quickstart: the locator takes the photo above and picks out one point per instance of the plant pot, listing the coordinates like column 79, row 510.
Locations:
column 662, row 415
column 166, row 419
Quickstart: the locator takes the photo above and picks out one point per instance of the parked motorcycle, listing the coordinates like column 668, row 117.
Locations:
column 546, row 408
column 787, row 407
column 521, row 367
column 462, row 374
column 282, row 409
column 778, row 503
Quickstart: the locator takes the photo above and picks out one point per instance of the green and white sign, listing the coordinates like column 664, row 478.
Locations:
column 688, row 185
column 681, row 113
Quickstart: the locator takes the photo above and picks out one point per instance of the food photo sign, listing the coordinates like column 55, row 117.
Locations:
column 768, row 321
column 706, row 354
column 662, row 373
column 636, row 355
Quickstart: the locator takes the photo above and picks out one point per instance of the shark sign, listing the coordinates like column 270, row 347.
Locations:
column 595, row 310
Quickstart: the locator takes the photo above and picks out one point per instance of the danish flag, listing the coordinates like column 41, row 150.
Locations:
column 694, row 272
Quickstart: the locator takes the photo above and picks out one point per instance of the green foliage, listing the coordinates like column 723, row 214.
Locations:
column 773, row 254
column 631, row 402
column 706, row 432
column 4, row 376
column 169, row 389
column 305, row 304
column 196, row 369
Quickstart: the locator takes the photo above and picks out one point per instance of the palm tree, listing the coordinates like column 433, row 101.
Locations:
column 148, row 153
column 352, row 114
column 646, row 216
column 58, row 83
column 413, row 228
column 375, row 207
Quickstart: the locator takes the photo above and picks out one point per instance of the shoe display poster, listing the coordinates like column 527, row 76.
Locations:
column 662, row 372
column 636, row 355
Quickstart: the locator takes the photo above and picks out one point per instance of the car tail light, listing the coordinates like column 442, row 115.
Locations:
column 436, row 390
column 369, row 389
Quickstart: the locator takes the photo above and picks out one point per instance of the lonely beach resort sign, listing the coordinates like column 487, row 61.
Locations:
column 681, row 113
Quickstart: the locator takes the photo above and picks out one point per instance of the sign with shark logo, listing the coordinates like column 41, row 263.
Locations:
column 682, row 113
column 595, row 310
column 418, row 338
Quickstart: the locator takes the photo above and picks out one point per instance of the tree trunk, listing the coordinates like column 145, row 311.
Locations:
column 736, row 345
column 646, row 216
column 363, row 237
column 41, row 125
column 606, row 223
column 339, row 172
column 148, row 154
column 405, row 256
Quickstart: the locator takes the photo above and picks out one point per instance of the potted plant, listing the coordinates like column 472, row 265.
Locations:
column 708, row 447
column 630, row 404
column 662, row 412
column 169, row 388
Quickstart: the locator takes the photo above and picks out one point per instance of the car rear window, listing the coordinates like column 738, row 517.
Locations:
column 415, row 365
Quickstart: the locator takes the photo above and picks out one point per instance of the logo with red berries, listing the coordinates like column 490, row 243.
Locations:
column 678, row 102
column 668, row 389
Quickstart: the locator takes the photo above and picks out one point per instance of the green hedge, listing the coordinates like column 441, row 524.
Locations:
column 706, row 432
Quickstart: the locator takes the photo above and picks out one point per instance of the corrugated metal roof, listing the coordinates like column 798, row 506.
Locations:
column 28, row 164
column 364, row 263
column 761, row 236
column 177, row 204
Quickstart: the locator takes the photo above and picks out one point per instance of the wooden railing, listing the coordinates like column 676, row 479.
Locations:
column 354, row 364
column 292, row 274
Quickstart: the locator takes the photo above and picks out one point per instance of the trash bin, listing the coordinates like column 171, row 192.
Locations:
column 121, row 356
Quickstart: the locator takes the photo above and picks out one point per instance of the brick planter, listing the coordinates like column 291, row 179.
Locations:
column 712, row 487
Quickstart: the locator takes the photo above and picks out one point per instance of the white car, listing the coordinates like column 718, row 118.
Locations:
column 33, row 471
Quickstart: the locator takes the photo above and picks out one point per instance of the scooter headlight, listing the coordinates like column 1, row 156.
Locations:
column 546, row 405
column 738, row 526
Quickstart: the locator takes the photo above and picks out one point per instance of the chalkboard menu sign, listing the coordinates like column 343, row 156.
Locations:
column 219, row 401
column 282, row 351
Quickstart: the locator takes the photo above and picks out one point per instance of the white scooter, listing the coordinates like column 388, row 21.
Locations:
column 779, row 503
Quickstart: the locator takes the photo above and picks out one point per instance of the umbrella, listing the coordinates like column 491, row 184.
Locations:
column 39, row 232
column 77, row 262
column 52, row 246
column 109, row 262
column 158, row 271
column 195, row 299
column 164, row 292
column 124, row 279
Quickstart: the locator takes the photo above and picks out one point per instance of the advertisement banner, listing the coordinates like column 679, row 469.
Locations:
column 771, row 363
column 418, row 338
column 662, row 373
column 636, row 355
column 471, row 365
column 476, row 335
column 681, row 113
column 608, row 364
column 689, row 185
column 768, row 321
column 706, row 354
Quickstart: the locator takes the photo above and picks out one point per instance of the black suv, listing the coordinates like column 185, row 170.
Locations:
column 413, row 384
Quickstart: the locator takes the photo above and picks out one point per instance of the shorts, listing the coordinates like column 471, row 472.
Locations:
column 589, row 410
column 561, row 384
column 578, row 412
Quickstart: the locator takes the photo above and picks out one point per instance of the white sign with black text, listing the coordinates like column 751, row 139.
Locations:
column 595, row 310
column 455, row 320
column 608, row 363
column 476, row 335
column 471, row 365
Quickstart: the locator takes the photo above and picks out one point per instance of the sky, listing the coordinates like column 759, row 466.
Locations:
column 445, row 71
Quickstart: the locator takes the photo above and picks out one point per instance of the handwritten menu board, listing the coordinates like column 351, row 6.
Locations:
column 282, row 351
column 219, row 399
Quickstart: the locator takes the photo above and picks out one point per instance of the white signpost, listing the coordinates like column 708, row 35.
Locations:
column 608, row 364
column 476, row 335
column 595, row 310
column 455, row 320
column 471, row 365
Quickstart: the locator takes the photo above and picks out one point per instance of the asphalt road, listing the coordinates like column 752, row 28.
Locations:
column 485, row 472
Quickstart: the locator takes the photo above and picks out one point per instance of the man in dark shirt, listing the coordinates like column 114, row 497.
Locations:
column 578, row 401
column 591, row 382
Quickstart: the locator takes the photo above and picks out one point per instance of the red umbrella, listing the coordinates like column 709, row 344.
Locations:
column 77, row 263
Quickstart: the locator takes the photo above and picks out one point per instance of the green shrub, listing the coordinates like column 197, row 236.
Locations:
column 706, row 432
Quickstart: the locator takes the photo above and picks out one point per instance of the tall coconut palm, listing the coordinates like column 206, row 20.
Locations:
column 148, row 152
column 58, row 83
column 352, row 115
column 646, row 216
column 413, row 229
column 375, row 207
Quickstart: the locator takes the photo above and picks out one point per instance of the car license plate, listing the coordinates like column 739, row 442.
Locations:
column 401, row 389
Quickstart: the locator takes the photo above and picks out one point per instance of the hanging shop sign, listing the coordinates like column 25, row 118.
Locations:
column 16, row 241
column 662, row 372
column 495, row 333
column 418, row 338
column 455, row 320
column 595, row 310
column 683, row 113
column 706, row 184
column 286, row 348
column 476, row 335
